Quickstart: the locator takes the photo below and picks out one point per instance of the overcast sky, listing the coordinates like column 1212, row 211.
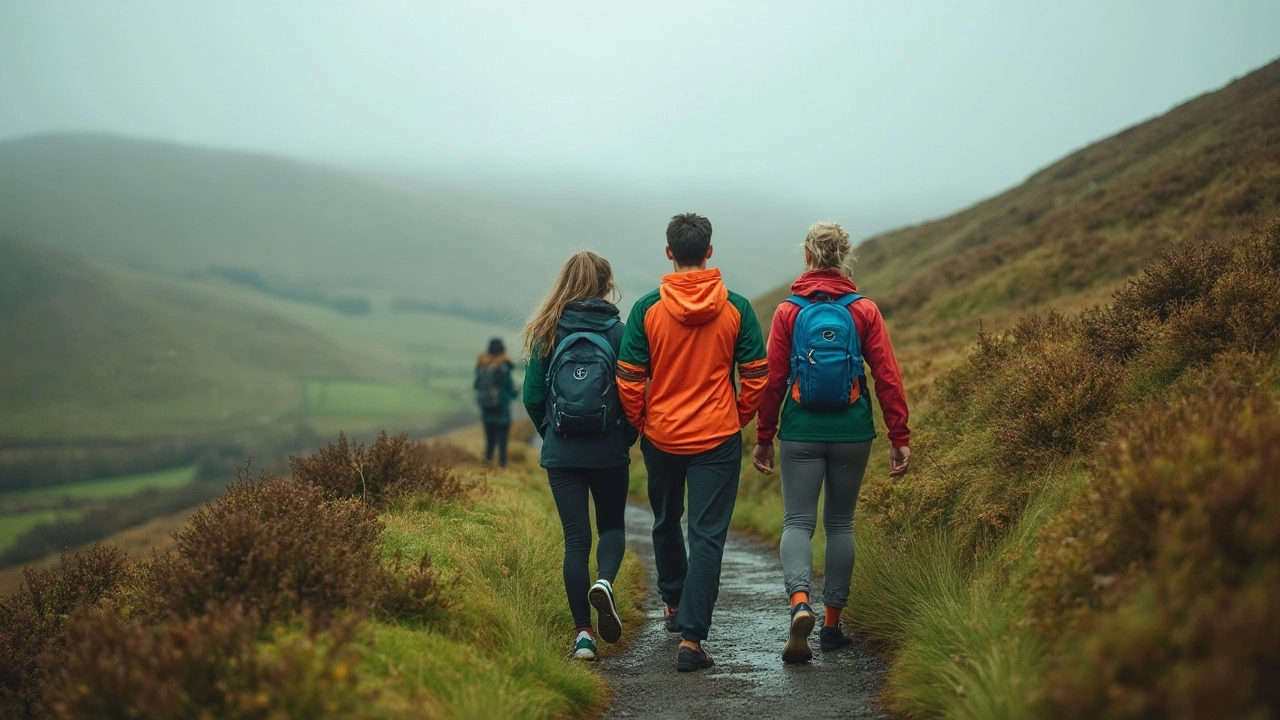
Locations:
column 884, row 107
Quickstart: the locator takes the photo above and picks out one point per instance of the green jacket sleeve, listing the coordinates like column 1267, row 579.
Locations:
column 750, row 346
column 535, row 390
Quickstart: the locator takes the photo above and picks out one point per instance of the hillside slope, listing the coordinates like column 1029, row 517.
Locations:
column 482, row 246
column 181, row 210
column 1071, row 232
column 92, row 353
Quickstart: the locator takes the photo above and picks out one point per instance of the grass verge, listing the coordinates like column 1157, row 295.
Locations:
column 505, row 651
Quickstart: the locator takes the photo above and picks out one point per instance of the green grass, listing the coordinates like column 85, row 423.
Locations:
column 14, row 524
column 504, row 652
column 111, row 487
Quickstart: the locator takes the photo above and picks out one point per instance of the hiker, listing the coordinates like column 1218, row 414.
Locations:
column 571, row 393
column 676, row 369
column 494, row 393
column 819, row 338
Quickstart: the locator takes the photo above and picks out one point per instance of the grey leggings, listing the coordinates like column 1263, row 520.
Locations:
column 805, row 465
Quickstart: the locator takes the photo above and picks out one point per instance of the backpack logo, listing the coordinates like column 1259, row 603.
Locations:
column 826, row 354
column 580, row 373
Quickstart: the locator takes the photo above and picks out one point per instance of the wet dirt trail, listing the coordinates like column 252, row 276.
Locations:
column 747, row 634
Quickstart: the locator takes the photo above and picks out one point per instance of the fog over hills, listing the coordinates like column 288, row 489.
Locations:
column 488, row 245
column 1209, row 168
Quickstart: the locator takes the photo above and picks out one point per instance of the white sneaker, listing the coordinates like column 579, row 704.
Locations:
column 601, row 598
column 585, row 647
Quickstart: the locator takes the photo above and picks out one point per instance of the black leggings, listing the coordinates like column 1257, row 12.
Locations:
column 495, row 438
column 608, row 488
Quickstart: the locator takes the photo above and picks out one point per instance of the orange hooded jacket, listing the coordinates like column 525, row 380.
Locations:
column 678, row 358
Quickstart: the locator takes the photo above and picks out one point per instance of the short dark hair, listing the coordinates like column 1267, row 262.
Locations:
column 496, row 347
column 689, row 236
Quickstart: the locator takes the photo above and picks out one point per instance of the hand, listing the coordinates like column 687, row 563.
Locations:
column 762, row 458
column 899, row 461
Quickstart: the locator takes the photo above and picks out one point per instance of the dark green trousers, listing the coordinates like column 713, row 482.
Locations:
column 692, row 581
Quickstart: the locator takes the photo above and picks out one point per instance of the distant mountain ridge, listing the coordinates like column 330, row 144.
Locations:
column 1208, row 168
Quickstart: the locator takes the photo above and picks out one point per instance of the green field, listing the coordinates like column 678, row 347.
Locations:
column 24, row 509
column 110, row 487
column 13, row 525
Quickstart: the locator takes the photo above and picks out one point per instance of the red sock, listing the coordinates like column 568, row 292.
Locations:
column 832, row 617
column 799, row 597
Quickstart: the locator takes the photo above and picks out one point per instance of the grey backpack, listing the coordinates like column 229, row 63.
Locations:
column 582, row 394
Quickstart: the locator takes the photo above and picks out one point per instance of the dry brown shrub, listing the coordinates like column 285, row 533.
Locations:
column 212, row 665
column 389, row 469
column 1165, row 575
column 1030, row 401
column 279, row 546
column 32, row 619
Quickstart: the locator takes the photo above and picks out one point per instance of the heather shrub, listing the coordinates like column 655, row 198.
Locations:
column 390, row 468
column 278, row 546
column 1029, row 404
column 32, row 619
column 417, row 593
column 1162, row 580
column 212, row 665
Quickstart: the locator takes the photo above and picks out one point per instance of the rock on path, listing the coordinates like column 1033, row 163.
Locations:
column 747, row 634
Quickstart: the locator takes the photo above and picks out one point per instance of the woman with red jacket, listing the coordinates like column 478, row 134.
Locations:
column 829, row 447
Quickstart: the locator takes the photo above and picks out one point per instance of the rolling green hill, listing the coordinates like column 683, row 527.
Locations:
column 1073, row 231
column 294, row 227
column 91, row 353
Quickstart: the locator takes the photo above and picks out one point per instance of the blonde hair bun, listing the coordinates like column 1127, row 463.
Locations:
column 829, row 247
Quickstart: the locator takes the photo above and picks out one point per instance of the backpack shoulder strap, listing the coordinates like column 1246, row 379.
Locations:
column 799, row 300
column 847, row 300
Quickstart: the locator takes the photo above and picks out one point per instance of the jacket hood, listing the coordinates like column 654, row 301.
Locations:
column 487, row 360
column 590, row 315
column 830, row 281
column 694, row 298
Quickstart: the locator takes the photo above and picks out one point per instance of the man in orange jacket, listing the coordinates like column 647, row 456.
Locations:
column 676, row 371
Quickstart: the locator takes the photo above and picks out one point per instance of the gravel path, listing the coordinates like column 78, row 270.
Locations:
column 747, row 635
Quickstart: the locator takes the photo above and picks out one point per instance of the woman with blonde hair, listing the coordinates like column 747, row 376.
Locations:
column 819, row 339
column 570, row 392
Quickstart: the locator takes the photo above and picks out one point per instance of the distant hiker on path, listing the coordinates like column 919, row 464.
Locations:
column 819, row 338
column 494, row 393
column 676, row 370
column 571, row 393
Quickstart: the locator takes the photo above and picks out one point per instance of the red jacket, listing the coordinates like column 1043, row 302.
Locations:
column 875, row 348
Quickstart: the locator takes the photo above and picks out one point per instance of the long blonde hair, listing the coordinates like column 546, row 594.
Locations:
column 829, row 247
column 584, row 275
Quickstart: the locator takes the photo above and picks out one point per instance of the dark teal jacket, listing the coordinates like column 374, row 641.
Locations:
column 506, row 392
column 612, row 450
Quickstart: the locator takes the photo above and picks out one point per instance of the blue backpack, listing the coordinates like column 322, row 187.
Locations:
column 826, row 354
